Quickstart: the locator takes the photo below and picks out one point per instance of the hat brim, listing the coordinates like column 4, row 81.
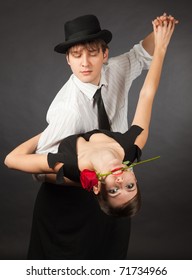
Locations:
column 103, row 34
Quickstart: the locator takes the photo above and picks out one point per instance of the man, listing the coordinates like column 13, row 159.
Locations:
column 73, row 111
column 67, row 222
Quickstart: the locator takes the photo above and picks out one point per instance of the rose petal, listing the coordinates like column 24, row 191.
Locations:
column 88, row 179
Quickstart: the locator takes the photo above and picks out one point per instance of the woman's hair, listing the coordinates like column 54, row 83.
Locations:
column 93, row 45
column 128, row 209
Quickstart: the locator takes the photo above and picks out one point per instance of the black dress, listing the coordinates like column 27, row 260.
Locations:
column 67, row 152
column 67, row 221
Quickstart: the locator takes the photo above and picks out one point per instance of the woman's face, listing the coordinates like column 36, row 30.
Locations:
column 121, row 186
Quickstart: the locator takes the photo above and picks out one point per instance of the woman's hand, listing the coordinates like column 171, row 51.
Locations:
column 163, row 28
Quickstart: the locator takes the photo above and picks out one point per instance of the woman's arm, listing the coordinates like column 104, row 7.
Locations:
column 162, row 36
column 23, row 158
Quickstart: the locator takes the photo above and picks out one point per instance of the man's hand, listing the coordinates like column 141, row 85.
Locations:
column 148, row 42
column 165, row 19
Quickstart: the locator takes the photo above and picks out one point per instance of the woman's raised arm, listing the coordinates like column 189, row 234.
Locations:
column 162, row 35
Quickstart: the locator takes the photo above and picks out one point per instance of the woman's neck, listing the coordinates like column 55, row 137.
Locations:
column 106, row 160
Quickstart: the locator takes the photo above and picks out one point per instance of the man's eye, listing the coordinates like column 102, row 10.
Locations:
column 94, row 53
column 76, row 55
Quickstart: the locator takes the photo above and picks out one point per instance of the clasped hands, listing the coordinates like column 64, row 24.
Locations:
column 164, row 19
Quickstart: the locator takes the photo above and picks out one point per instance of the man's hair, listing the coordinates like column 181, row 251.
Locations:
column 92, row 45
column 128, row 209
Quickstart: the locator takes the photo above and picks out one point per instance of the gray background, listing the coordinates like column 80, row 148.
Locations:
column 31, row 73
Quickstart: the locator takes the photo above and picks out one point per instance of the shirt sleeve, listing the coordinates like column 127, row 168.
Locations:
column 128, row 66
column 142, row 55
column 60, row 126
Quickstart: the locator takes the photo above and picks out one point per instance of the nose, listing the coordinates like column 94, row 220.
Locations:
column 85, row 60
column 119, row 179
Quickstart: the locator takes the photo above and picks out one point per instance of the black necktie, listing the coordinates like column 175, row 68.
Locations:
column 102, row 115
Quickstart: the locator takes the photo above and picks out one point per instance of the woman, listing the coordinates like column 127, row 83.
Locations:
column 102, row 153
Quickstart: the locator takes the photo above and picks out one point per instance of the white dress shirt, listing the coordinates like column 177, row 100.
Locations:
column 72, row 109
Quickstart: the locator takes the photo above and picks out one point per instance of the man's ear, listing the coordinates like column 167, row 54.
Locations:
column 105, row 55
column 67, row 58
column 97, row 188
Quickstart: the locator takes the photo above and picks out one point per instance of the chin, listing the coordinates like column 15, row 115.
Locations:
column 87, row 79
column 116, row 163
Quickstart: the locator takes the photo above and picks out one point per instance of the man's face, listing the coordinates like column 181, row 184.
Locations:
column 86, row 63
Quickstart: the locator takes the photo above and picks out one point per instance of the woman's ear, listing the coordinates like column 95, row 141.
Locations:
column 97, row 188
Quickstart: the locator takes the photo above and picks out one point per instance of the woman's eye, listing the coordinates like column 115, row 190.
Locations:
column 130, row 186
column 113, row 191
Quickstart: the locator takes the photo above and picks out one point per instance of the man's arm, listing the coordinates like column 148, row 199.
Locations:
column 148, row 44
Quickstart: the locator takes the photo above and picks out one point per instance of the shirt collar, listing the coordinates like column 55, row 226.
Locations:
column 87, row 88
column 103, row 81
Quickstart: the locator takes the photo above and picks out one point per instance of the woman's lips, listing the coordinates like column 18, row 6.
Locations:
column 117, row 171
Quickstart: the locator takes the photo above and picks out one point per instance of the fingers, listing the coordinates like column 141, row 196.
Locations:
column 163, row 30
column 155, row 24
column 165, row 20
column 171, row 18
column 163, row 27
column 171, row 27
column 163, row 17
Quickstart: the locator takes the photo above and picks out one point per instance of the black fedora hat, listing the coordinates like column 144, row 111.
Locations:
column 82, row 29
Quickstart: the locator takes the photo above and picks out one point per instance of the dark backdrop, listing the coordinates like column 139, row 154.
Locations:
column 31, row 73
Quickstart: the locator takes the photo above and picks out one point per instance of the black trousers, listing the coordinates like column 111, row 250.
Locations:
column 68, row 224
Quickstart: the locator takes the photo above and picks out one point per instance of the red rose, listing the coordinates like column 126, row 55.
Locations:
column 88, row 179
